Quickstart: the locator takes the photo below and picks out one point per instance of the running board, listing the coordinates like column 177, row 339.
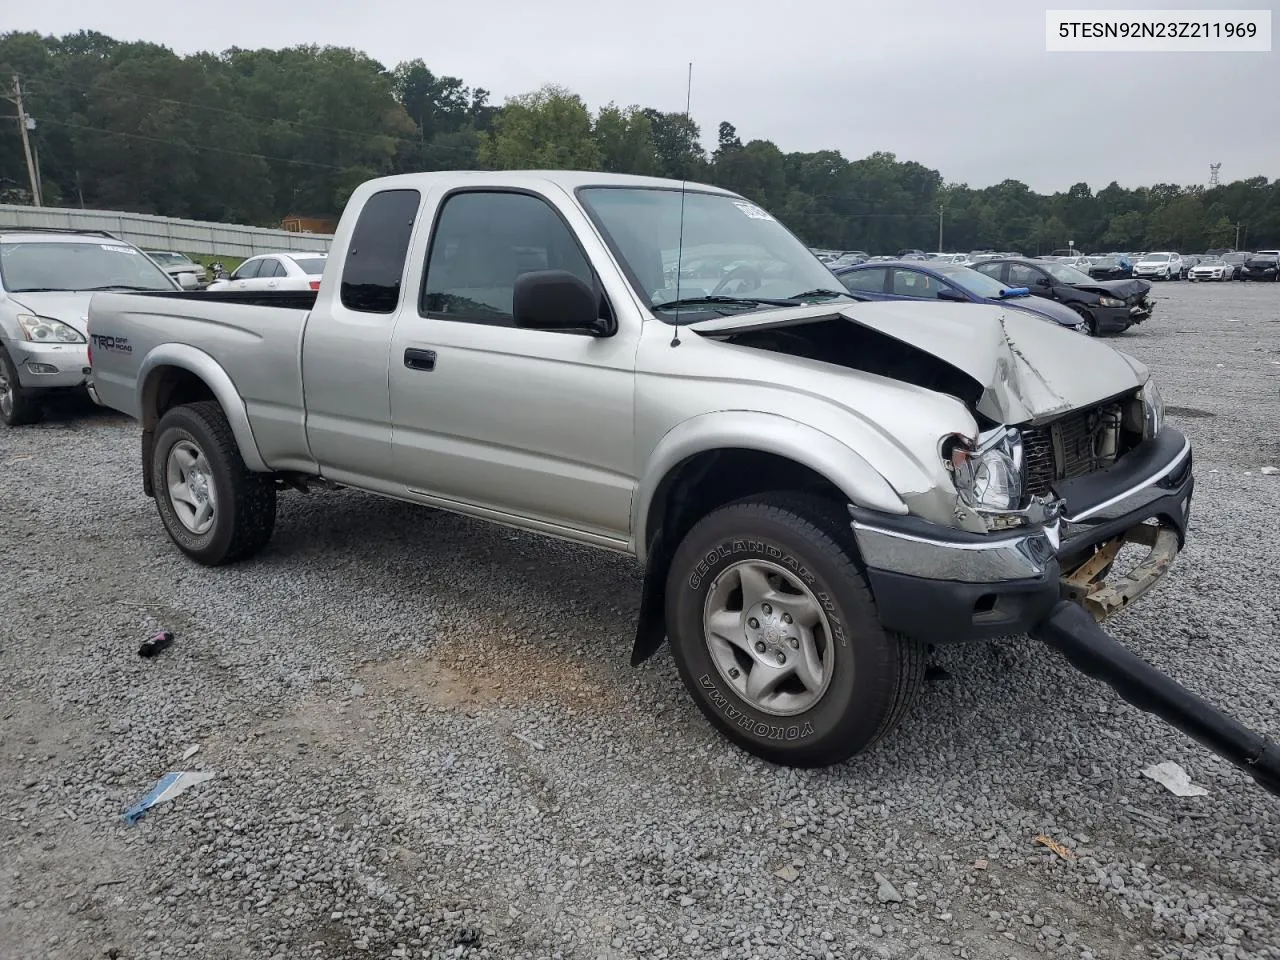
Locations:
column 1074, row 633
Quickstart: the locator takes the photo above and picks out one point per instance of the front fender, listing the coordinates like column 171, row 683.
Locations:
column 196, row 361
column 767, row 433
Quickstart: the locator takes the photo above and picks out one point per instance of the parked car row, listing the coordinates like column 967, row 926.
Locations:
column 1162, row 265
column 1053, row 290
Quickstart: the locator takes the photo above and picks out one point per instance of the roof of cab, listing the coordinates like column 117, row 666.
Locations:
column 566, row 179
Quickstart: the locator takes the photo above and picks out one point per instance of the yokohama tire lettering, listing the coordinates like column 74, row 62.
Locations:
column 767, row 731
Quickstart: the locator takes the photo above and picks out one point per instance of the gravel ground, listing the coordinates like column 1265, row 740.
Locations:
column 428, row 743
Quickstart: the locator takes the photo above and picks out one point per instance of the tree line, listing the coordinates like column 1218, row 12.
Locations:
column 253, row 136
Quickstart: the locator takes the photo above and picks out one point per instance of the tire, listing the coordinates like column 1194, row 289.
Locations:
column 869, row 677
column 19, row 405
column 1090, row 324
column 194, row 445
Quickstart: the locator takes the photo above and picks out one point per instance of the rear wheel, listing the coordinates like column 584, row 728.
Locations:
column 215, row 509
column 18, row 405
column 775, row 633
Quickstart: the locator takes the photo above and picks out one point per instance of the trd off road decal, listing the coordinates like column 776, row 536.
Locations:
column 112, row 344
column 761, row 729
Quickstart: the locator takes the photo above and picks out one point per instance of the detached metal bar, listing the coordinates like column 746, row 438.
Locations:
column 1074, row 633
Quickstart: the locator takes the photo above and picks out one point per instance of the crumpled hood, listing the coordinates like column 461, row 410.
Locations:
column 68, row 306
column 1125, row 290
column 1029, row 370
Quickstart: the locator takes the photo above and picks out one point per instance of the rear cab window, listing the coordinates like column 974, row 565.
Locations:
column 376, row 254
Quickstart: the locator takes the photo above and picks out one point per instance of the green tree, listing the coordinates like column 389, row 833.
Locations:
column 625, row 139
column 547, row 129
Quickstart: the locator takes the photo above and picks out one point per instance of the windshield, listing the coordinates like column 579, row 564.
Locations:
column 1212, row 262
column 312, row 266
column 1065, row 274
column 1156, row 257
column 971, row 281
column 1106, row 262
column 77, row 265
column 731, row 248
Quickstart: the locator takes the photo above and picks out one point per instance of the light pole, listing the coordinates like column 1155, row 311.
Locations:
column 939, row 227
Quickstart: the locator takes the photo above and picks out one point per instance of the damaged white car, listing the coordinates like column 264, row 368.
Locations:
column 817, row 488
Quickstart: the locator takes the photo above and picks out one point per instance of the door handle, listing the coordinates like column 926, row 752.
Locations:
column 416, row 359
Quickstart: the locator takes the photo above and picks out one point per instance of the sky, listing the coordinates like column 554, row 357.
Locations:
column 966, row 88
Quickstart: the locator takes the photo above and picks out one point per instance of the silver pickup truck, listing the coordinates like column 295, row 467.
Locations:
column 818, row 488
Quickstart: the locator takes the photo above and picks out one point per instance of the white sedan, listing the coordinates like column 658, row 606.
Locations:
column 276, row 271
column 1159, row 266
column 1212, row 268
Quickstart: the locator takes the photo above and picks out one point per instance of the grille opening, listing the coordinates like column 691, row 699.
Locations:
column 1075, row 445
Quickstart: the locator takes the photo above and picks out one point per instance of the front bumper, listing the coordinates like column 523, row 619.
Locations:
column 1118, row 319
column 944, row 586
column 49, row 365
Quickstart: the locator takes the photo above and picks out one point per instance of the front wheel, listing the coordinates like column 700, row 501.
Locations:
column 775, row 633
column 215, row 509
column 1090, row 328
column 18, row 405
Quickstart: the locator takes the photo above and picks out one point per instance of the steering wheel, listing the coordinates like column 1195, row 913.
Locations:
column 749, row 277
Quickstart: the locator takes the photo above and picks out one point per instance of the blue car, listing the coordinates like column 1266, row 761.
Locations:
column 926, row 280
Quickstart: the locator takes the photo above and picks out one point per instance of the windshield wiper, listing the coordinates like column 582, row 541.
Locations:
column 813, row 294
column 727, row 301
column 113, row 286
column 40, row 290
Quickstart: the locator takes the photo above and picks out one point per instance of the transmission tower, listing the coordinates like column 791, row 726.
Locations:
column 1213, row 173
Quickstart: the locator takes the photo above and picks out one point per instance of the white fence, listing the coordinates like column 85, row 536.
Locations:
column 166, row 233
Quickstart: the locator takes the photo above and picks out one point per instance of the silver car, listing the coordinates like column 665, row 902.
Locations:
column 189, row 274
column 47, row 278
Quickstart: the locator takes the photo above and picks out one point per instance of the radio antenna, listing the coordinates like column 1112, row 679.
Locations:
column 684, row 188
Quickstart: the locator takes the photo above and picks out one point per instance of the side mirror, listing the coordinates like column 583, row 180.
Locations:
column 188, row 281
column 946, row 293
column 557, row 300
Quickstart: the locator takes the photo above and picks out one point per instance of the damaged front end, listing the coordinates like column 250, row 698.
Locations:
column 1071, row 463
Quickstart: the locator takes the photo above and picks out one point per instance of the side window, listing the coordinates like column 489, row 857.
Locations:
column 247, row 270
column 991, row 269
column 483, row 241
column 867, row 281
column 271, row 267
column 375, row 256
column 912, row 283
column 1020, row 275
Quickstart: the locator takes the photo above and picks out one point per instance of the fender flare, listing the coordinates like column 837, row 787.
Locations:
column 197, row 362
column 767, row 433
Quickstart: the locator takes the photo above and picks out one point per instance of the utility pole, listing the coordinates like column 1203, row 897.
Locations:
column 939, row 228
column 26, row 124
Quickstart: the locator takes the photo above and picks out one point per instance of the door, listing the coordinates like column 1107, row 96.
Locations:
column 1037, row 281
column 270, row 275
column 346, row 341
column 906, row 284
column 531, row 426
column 868, row 282
column 246, row 272
column 995, row 269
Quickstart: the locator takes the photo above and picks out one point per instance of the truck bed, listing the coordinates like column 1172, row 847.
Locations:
column 254, row 336
column 288, row 299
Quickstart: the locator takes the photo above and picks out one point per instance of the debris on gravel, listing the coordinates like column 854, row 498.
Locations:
column 429, row 742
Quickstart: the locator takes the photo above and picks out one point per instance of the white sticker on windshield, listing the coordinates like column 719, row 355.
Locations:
column 751, row 210
column 116, row 248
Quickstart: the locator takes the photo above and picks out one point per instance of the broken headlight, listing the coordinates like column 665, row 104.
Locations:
column 1152, row 409
column 1110, row 302
column 988, row 473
